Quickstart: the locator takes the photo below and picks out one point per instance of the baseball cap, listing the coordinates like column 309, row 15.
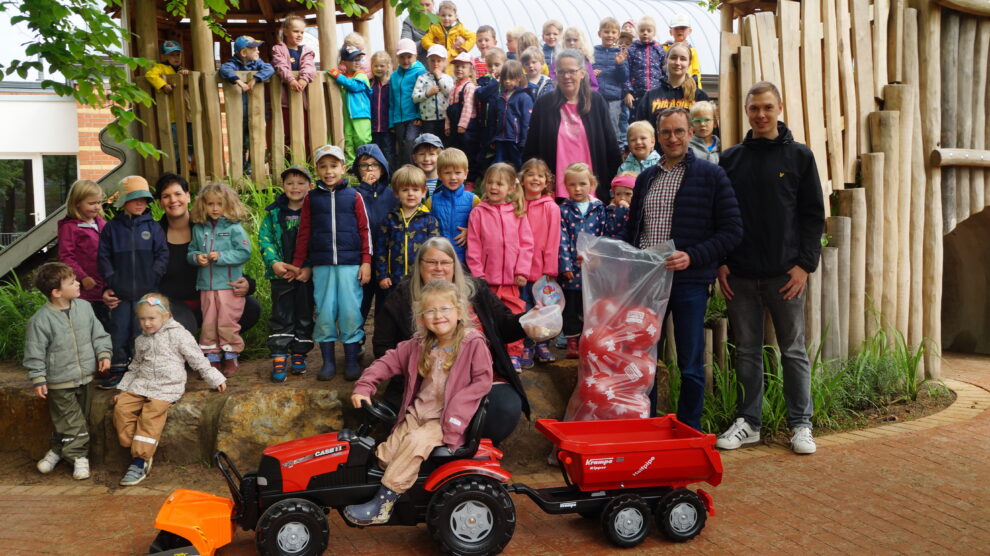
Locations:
column 297, row 169
column 350, row 53
column 679, row 20
column 169, row 47
column 464, row 57
column 134, row 187
column 437, row 50
column 428, row 139
column 406, row 46
column 245, row 41
column 328, row 150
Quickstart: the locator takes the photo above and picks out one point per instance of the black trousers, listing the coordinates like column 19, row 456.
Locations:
column 573, row 313
column 291, row 322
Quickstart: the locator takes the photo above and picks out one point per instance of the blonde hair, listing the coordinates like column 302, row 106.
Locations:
column 495, row 52
column 583, row 46
column 464, row 283
column 233, row 209
column 447, row 5
column 527, row 40
column 553, row 23
column 163, row 301
column 641, row 126
column 646, row 20
column 354, row 39
column 287, row 24
column 532, row 53
column 609, row 23
column 452, row 158
column 703, row 106
column 408, row 176
column 507, row 173
column 539, row 166
column 512, row 69
column 580, row 169
column 381, row 56
column 428, row 340
column 688, row 85
column 514, row 32
column 79, row 191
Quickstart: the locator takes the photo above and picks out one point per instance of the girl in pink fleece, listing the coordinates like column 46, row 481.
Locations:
column 543, row 215
column 447, row 368
column 500, row 243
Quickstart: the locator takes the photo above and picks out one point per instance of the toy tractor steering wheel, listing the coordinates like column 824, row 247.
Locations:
column 380, row 411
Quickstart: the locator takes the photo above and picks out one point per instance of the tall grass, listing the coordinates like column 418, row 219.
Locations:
column 17, row 304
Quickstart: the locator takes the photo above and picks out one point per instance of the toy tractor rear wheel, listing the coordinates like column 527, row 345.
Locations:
column 471, row 516
column 681, row 515
column 292, row 527
column 626, row 520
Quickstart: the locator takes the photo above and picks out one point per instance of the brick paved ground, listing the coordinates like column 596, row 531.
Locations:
column 913, row 488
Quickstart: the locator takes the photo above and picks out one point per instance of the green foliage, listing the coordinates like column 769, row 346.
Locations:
column 710, row 5
column 16, row 307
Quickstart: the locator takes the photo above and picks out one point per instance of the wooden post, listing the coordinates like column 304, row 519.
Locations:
column 234, row 107
column 813, row 310
column 728, row 89
column 196, row 116
column 146, row 29
column 746, row 82
column 149, row 133
column 982, row 141
column 831, row 326
column 977, row 195
column 872, row 166
column 852, row 203
column 881, row 10
column 317, row 109
column 363, row 28
column 789, row 21
column 912, row 75
column 326, row 20
column 847, row 76
column 278, row 126
column 863, row 77
column 257, row 135
column 297, row 127
column 211, row 167
column 766, row 30
column 163, row 114
column 895, row 42
column 948, row 58
column 901, row 99
column 964, row 112
column 709, row 357
column 811, row 74
column 390, row 28
column 885, row 135
column 839, row 229
column 719, row 339
column 833, row 99
column 751, row 38
column 181, row 139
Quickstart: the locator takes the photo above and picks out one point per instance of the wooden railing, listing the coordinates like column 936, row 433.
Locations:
column 215, row 138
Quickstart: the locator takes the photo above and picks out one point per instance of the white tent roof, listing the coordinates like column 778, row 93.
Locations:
column 584, row 14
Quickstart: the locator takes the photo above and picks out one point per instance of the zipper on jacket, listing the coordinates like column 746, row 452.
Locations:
column 333, row 223
column 75, row 344
column 133, row 258
column 210, row 250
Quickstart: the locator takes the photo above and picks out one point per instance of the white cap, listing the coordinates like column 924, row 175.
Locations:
column 437, row 50
column 679, row 20
column 406, row 46
column 328, row 150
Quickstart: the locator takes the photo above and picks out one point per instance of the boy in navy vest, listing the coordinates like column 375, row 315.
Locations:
column 335, row 239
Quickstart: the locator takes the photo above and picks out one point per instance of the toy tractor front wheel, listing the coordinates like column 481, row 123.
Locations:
column 626, row 520
column 681, row 515
column 292, row 527
column 471, row 516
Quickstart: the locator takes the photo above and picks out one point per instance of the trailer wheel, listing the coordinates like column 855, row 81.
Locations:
column 292, row 527
column 681, row 515
column 626, row 520
column 471, row 516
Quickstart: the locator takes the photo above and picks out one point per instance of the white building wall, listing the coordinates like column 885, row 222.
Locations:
column 38, row 124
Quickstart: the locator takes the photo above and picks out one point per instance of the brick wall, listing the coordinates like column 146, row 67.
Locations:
column 93, row 162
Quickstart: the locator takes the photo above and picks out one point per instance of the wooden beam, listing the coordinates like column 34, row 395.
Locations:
column 977, row 195
column 326, row 20
column 363, row 28
column 390, row 29
column 975, row 7
column 811, row 78
column 895, row 42
column 852, row 203
column 146, row 29
column 881, row 10
column 728, row 90
column 901, row 99
column 769, row 56
column 885, row 136
column 833, row 99
column 847, row 79
column 202, row 58
column 964, row 111
column 746, row 62
column 961, row 157
column 863, row 60
column 839, row 230
column 831, row 328
column 872, row 165
column 949, row 57
column 788, row 22
column 912, row 75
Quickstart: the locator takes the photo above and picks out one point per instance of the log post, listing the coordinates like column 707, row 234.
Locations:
column 847, row 76
column 881, row 11
column 728, row 88
column 833, row 98
column 872, row 165
column 390, row 28
column 719, row 339
column 863, row 77
column 317, row 113
column 198, row 130
column 746, row 76
column 179, row 116
column 948, row 58
column 257, row 135
column 363, row 28
column 964, row 112
column 895, row 42
column 852, row 203
column 977, row 182
column 146, row 31
column 788, row 21
column 839, row 229
column 326, row 20
column 163, row 114
column 814, row 101
column 912, row 75
column 885, row 136
column 275, row 93
column 297, row 128
column 901, row 99
column 234, row 107
column 709, row 357
column 831, row 328
column 202, row 56
column 813, row 310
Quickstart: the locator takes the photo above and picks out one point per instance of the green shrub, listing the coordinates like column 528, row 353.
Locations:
column 16, row 307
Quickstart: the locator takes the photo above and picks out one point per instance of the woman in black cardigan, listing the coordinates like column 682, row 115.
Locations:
column 574, row 90
column 436, row 260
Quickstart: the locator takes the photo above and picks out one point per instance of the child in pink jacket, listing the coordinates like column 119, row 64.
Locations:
column 543, row 215
column 500, row 243
column 291, row 55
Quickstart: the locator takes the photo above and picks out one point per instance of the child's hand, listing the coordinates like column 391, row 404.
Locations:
column 356, row 399
column 116, row 397
column 103, row 366
column 184, row 71
column 222, row 386
column 88, row 283
column 598, row 72
column 41, row 391
column 520, row 280
column 461, row 238
column 279, row 269
column 110, row 299
column 214, row 256
column 203, row 259
column 304, row 274
column 461, row 129
column 385, row 283
column 620, row 58
column 166, row 88
column 297, row 85
column 417, row 122
column 628, row 100
column 364, row 273
column 244, row 86
column 458, row 41
column 620, row 203
column 432, row 91
column 568, row 276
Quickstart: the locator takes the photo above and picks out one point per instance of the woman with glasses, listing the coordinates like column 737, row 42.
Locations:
column 677, row 90
column 571, row 124
column 436, row 260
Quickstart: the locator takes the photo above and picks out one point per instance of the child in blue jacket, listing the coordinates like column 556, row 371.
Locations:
column 379, row 201
column 646, row 62
column 356, row 92
column 612, row 72
column 405, row 229
column 452, row 203
column 403, row 113
column 246, row 58
column 511, row 111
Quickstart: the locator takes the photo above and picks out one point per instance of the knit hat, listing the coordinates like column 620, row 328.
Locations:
column 134, row 187
column 406, row 46
column 623, row 181
column 169, row 47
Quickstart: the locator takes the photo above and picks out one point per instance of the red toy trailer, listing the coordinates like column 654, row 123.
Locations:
column 622, row 470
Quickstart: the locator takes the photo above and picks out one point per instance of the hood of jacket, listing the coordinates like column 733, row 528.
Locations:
column 784, row 137
column 540, row 201
column 375, row 152
column 166, row 326
column 132, row 221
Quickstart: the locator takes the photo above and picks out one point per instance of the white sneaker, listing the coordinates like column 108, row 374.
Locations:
column 802, row 442
column 47, row 463
column 80, row 469
column 738, row 435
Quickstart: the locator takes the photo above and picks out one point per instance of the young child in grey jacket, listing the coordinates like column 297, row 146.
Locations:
column 64, row 345
column 156, row 379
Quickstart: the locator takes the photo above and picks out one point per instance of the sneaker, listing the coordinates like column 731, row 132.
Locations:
column 298, row 363
column 134, row 475
column 47, row 463
column 80, row 469
column 111, row 382
column 572, row 348
column 516, row 364
column 526, row 359
column 739, row 434
column 278, row 368
column 802, row 441
column 543, row 354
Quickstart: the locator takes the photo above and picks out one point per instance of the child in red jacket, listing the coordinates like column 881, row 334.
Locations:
column 448, row 370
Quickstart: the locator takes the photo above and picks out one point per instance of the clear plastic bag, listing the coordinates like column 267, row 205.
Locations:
column 543, row 323
column 625, row 297
column 546, row 291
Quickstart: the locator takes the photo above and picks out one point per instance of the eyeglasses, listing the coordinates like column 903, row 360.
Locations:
column 679, row 133
column 369, row 166
column 441, row 311
column 437, row 263
column 568, row 73
column 699, row 121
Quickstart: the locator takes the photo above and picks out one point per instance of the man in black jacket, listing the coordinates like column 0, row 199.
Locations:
column 689, row 201
column 780, row 196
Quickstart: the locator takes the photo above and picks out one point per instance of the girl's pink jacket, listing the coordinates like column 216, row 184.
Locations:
column 499, row 244
column 77, row 247
column 544, row 221
column 469, row 381
column 283, row 67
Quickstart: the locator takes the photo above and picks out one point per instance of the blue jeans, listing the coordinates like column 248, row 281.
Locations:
column 508, row 152
column 338, row 296
column 123, row 329
column 687, row 306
